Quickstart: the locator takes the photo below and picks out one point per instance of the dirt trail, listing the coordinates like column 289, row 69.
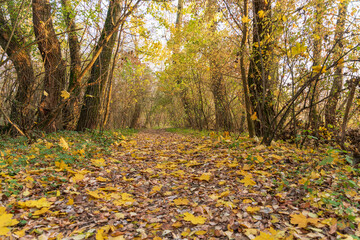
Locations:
column 161, row 185
column 170, row 175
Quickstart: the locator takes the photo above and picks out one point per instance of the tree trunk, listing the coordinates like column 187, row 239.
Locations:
column 314, row 117
column 72, row 108
column 222, row 109
column 259, row 69
column 353, row 84
column 331, row 106
column 55, row 68
column 223, row 119
column 136, row 115
column 183, row 94
column 249, row 111
column 90, row 115
column 21, row 113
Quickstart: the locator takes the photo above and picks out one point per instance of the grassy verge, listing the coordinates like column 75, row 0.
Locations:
column 73, row 149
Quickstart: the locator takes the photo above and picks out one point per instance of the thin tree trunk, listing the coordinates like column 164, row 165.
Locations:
column 249, row 112
column 55, row 68
column 136, row 115
column 353, row 84
column 223, row 119
column 183, row 93
column 331, row 106
column 259, row 69
column 72, row 108
column 314, row 117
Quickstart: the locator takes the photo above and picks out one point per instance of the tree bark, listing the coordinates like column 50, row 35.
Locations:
column 259, row 69
column 91, row 115
column 136, row 115
column 248, row 107
column 314, row 117
column 331, row 106
column 353, row 84
column 72, row 108
column 21, row 113
column 223, row 116
column 55, row 68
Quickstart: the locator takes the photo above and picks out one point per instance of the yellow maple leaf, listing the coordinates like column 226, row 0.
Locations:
column 41, row 211
column 63, row 144
column 181, row 201
column 35, row 203
column 156, row 189
column 5, row 222
column 224, row 194
column 94, row 194
column 225, row 203
column 101, row 179
column 245, row 19
column 65, row 94
column 303, row 181
column 77, row 178
column 194, row 220
column 252, row 209
column 299, row 219
column 248, row 181
column 265, row 236
column 254, row 117
column 261, row 14
column 200, row 232
column 20, row 233
column 177, row 224
column 126, row 200
column 61, row 165
column 186, row 232
column 70, row 201
column 205, row 177
column 98, row 162
column 99, row 234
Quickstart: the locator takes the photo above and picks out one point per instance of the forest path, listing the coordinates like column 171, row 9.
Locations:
column 161, row 185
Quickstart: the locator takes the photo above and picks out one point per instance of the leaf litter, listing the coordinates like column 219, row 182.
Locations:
column 162, row 185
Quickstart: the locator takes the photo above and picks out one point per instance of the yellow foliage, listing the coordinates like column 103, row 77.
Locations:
column 41, row 211
column 156, row 189
column 77, row 178
column 5, row 222
column 317, row 69
column 245, row 19
column 63, row 144
column 205, row 177
column 98, row 162
column 254, row 117
column 194, row 220
column 261, row 14
column 65, row 94
column 248, row 181
column 252, row 209
column 181, row 201
column 302, row 221
column 126, row 200
column 36, row 203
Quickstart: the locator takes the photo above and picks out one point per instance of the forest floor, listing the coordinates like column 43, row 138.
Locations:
column 156, row 184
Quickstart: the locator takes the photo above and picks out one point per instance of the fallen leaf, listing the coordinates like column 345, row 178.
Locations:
column 194, row 220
